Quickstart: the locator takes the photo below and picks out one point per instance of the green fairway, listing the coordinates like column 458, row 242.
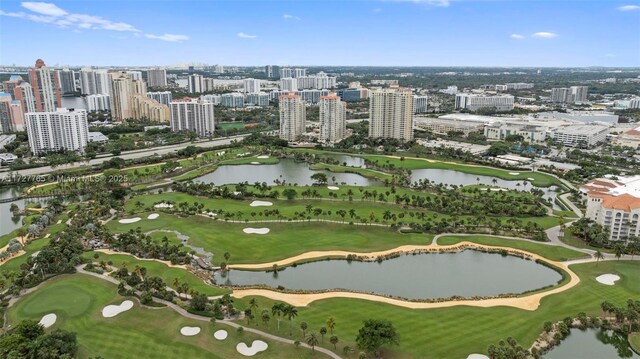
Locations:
column 554, row 253
column 141, row 332
column 168, row 274
column 459, row 331
column 365, row 172
column 285, row 239
column 634, row 341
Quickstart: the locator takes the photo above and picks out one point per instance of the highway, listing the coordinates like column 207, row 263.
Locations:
column 127, row 155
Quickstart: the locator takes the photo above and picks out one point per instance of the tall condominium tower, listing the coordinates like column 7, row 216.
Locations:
column 333, row 113
column 391, row 114
column 46, row 87
column 292, row 117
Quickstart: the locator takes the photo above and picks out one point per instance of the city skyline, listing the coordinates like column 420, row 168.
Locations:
column 362, row 33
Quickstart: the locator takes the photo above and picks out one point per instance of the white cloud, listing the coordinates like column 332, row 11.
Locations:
column 246, row 36
column 545, row 35
column 517, row 36
column 609, row 55
column 44, row 8
column 629, row 8
column 49, row 13
column 290, row 17
column 168, row 37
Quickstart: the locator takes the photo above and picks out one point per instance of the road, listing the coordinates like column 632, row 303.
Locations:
column 127, row 155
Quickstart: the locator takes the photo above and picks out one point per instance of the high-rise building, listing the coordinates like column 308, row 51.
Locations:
column 286, row 72
column 288, row 84
column 67, row 81
column 272, row 71
column 164, row 97
column 559, row 95
column 193, row 115
column 22, row 92
column 46, row 87
column 333, row 114
column 251, row 85
column 135, row 75
column 98, row 102
column 578, row 94
column 5, row 113
column 257, row 99
column 474, row 102
column 292, row 117
column 195, row 83
column 420, row 104
column 17, row 116
column 157, row 77
column 233, row 99
column 94, row 82
column 123, row 89
column 145, row 108
column 300, row 73
column 58, row 130
column 391, row 113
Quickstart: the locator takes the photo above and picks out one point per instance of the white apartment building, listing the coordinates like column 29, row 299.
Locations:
column 135, row 75
column 419, row 104
column 93, row 82
column 288, row 84
column 214, row 99
column 573, row 94
column 292, row 117
column 62, row 129
column 614, row 204
column 499, row 131
column 257, row 99
column 251, row 85
column 474, row 102
column 164, row 97
column 157, row 78
column 299, row 72
column 443, row 126
column 193, row 115
column 98, row 102
column 391, row 113
column 333, row 114
column 194, row 84
column 286, row 72
column 583, row 136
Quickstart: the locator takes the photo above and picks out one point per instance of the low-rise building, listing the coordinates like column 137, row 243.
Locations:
column 580, row 135
column 629, row 138
column 531, row 133
column 614, row 203
column 443, row 125
column 474, row 102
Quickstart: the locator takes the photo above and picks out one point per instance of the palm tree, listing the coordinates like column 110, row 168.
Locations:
column 291, row 312
column 304, row 326
column 598, row 255
column 266, row 317
column 333, row 340
column 619, row 251
column 323, row 331
column 253, row 304
column 227, row 256
column 331, row 323
column 312, row 340
column 277, row 310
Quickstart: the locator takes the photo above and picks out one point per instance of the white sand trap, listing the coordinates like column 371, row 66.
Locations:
column 48, row 320
column 255, row 163
column 220, row 334
column 163, row 205
column 256, row 230
column 608, row 279
column 111, row 311
column 477, row 356
column 189, row 331
column 235, row 193
column 531, row 179
column 260, row 204
column 498, row 189
column 153, row 216
column 514, row 173
column 263, row 157
column 129, row 220
column 256, row 347
column 210, row 214
column 333, row 188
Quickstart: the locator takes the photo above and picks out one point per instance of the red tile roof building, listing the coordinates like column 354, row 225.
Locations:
column 615, row 204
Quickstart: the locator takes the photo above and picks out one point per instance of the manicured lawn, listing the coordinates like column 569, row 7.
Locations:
column 634, row 340
column 570, row 239
column 554, row 253
column 141, row 332
column 248, row 160
column 378, row 175
column 285, row 239
column 459, row 331
column 168, row 274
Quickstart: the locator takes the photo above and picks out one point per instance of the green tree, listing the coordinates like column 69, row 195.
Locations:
column 323, row 331
column 374, row 334
column 312, row 340
column 290, row 193
column 333, row 340
column 304, row 326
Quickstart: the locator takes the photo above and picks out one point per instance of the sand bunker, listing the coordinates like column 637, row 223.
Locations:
column 608, row 279
column 235, row 193
column 153, row 216
column 255, row 163
column 256, row 230
column 256, row 347
column 129, row 220
column 220, row 334
column 189, row 331
column 112, row 310
column 163, row 205
column 263, row 157
column 48, row 320
column 210, row 214
column 333, row 188
column 477, row 356
column 514, row 173
column 531, row 179
column 260, row 204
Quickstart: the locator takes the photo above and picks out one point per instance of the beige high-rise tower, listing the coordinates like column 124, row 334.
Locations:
column 333, row 113
column 123, row 89
column 391, row 113
column 292, row 117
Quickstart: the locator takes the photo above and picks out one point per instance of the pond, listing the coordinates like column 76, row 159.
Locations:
column 8, row 222
column 592, row 344
column 451, row 177
column 421, row 276
column 286, row 170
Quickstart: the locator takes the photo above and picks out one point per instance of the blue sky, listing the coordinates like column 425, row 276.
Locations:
column 309, row 32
